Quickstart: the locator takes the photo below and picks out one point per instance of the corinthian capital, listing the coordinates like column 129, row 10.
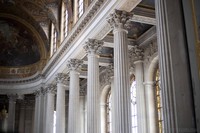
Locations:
column 74, row 64
column 61, row 77
column 136, row 53
column 119, row 19
column 51, row 88
column 93, row 46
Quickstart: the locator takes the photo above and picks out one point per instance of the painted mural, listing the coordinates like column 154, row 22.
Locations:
column 17, row 45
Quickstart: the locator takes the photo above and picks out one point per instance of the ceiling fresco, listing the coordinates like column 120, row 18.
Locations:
column 17, row 44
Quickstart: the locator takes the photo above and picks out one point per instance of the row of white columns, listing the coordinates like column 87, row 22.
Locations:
column 121, row 91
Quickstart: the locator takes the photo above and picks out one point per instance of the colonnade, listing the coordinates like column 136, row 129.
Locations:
column 121, row 117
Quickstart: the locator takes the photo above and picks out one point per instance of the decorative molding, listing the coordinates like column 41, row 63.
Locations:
column 93, row 46
column 119, row 19
column 88, row 17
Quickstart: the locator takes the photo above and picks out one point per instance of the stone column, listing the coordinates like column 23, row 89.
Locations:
column 151, row 107
column 38, row 124
column 60, row 103
column 176, row 89
column 44, row 109
column 22, row 117
column 92, row 48
column 122, row 102
column 11, row 113
column 74, row 104
column 41, row 111
column 136, row 54
column 50, row 92
column 36, row 112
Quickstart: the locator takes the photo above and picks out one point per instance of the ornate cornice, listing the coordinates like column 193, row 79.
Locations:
column 91, row 13
column 93, row 46
column 74, row 64
column 119, row 19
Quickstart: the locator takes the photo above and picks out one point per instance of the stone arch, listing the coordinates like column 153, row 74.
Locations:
column 103, row 99
column 151, row 69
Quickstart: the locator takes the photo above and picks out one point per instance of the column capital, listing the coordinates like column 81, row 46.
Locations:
column 74, row 64
column 93, row 46
column 50, row 88
column 136, row 53
column 61, row 77
column 12, row 97
column 119, row 19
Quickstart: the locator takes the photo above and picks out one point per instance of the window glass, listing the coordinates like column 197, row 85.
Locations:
column 158, row 102
column 80, row 8
column 133, row 107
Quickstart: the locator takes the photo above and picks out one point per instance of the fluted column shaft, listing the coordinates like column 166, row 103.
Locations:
column 11, row 113
column 151, row 107
column 74, row 103
column 93, row 101
column 121, row 97
column 50, row 109
column 36, row 117
column 140, row 97
column 40, row 111
column 60, row 104
column 44, row 110
column 121, row 81
column 176, row 90
column 93, row 96
column 22, row 117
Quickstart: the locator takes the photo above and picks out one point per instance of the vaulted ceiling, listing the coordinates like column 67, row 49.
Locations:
column 24, row 35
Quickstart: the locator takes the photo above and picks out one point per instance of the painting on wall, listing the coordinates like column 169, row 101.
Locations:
column 17, row 44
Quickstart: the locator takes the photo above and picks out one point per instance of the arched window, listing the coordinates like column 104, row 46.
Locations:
column 66, row 21
column 53, row 39
column 133, row 107
column 108, row 113
column 159, row 102
column 80, row 8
